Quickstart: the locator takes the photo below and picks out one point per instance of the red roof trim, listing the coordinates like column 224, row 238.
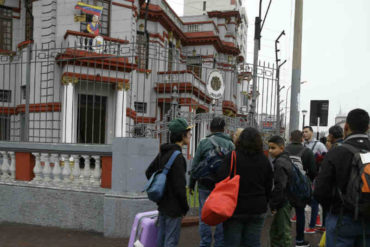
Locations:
column 96, row 78
column 24, row 43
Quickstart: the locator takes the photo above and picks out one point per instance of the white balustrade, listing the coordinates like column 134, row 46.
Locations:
column 97, row 172
column 57, row 171
column 76, row 173
column 66, row 170
column 12, row 165
column 86, row 174
column 37, row 169
column 5, row 168
column 47, row 169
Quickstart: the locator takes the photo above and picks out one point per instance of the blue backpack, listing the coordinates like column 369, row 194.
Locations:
column 157, row 182
column 299, row 184
column 213, row 160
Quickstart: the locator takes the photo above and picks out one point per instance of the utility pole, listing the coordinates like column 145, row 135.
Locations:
column 257, row 46
column 278, row 89
column 296, row 67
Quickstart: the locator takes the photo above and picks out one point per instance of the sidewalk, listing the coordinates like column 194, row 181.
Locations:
column 19, row 235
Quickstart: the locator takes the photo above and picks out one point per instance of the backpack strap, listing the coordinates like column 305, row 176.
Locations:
column 351, row 148
column 214, row 143
column 300, row 153
column 314, row 145
column 169, row 163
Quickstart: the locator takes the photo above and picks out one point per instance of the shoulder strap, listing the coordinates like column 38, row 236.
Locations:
column 351, row 148
column 169, row 163
column 300, row 153
column 214, row 143
column 314, row 145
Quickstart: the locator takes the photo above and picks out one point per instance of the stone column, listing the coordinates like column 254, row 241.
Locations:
column 121, row 105
column 68, row 95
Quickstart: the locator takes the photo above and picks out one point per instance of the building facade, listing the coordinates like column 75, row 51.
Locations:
column 60, row 83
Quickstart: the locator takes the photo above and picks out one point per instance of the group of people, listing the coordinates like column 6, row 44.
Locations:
column 264, row 185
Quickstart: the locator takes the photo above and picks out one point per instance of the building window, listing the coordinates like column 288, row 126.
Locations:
column 4, row 128
column 193, row 28
column 194, row 64
column 204, row 5
column 5, row 96
column 23, row 92
column 141, row 50
column 6, row 34
column 140, row 107
column 29, row 20
column 104, row 18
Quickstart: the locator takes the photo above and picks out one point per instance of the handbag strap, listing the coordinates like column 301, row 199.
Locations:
column 169, row 163
column 233, row 158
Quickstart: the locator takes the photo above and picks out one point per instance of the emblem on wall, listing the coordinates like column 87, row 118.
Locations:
column 215, row 84
column 98, row 44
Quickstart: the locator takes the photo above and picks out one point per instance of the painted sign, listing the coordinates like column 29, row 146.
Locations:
column 215, row 85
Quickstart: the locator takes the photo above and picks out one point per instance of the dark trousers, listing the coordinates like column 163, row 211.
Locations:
column 244, row 232
column 299, row 211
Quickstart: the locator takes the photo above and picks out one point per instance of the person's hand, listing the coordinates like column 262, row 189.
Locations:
column 273, row 212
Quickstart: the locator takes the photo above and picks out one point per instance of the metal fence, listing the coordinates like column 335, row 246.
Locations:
column 82, row 91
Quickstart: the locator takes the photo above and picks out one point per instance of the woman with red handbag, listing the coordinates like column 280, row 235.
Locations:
column 245, row 225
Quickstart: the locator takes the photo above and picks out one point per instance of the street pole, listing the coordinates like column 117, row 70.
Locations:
column 303, row 124
column 296, row 68
column 257, row 45
column 278, row 125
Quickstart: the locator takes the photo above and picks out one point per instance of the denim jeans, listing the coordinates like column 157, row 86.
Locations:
column 205, row 230
column 299, row 211
column 348, row 233
column 169, row 231
column 314, row 212
column 244, row 232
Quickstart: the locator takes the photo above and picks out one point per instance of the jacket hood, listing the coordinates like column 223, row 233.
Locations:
column 222, row 135
column 169, row 147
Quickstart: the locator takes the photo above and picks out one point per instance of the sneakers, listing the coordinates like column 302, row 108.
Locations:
column 303, row 243
column 309, row 230
column 320, row 229
column 318, row 221
column 293, row 219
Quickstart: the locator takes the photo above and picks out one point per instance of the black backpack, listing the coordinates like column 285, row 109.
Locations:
column 211, row 162
column 357, row 192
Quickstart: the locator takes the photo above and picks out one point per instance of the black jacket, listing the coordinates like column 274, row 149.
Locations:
column 335, row 173
column 308, row 158
column 174, row 202
column 255, row 182
column 282, row 173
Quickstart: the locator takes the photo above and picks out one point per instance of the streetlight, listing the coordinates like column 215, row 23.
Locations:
column 304, row 112
column 286, row 101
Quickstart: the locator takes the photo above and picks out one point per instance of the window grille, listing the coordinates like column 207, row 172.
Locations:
column 5, row 96
column 6, row 33
column 140, row 107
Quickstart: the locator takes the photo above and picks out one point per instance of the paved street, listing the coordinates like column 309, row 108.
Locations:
column 18, row 235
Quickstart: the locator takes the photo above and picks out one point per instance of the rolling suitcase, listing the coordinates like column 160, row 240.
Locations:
column 144, row 230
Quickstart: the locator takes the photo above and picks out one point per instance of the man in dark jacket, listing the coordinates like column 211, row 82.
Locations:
column 280, row 231
column 173, row 206
column 206, row 185
column 308, row 161
column 341, row 227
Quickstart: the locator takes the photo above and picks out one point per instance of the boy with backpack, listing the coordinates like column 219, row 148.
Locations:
column 173, row 205
column 280, row 231
column 295, row 148
column 343, row 185
column 208, row 157
column 291, row 187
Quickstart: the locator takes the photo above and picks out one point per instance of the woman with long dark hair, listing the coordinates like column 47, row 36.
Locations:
column 245, row 226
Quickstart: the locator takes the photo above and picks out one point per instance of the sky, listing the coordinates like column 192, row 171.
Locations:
column 335, row 49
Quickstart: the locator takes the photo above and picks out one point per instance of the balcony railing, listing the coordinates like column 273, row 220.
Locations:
column 89, row 42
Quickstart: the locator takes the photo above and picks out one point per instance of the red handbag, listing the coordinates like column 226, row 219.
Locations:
column 221, row 203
